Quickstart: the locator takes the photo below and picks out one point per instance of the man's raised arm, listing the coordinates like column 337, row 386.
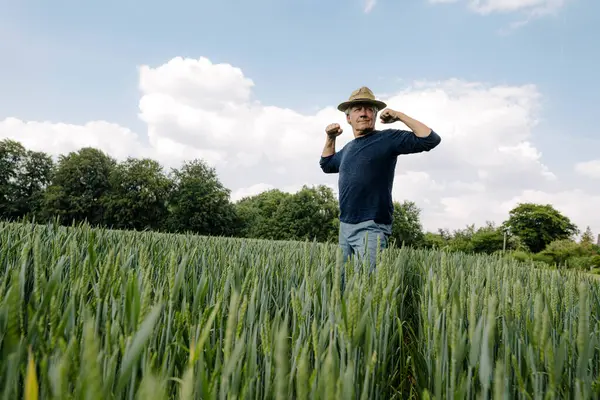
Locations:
column 421, row 138
column 329, row 162
column 329, row 148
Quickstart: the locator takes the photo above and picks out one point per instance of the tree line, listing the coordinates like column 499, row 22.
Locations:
column 90, row 186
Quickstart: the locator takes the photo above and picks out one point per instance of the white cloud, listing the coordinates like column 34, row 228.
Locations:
column 589, row 168
column 57, row 138
column 504, row 6
column 193, row 108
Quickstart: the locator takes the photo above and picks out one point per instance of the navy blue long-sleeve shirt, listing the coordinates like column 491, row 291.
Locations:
column 366, row 167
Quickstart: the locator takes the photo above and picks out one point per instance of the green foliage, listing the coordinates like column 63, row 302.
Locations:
column 138, row 196
column 479, row 316
column 588, row 237
column 487, row 239
column 257, row 214
column 199, row 202
column 461, row 239
column 79, row 187
column 538, row 225
column 521, row 256
column 311, row 213
column 434, row 241
column 407, row 229
column 559, row 251
column 88, row 185
column 542, row 258
column 163, row 316
column 308, row 214
column 24, row 175
column 179, row 316
column 570, row 254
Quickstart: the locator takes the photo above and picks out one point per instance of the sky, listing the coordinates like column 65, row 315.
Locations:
column 511, row 86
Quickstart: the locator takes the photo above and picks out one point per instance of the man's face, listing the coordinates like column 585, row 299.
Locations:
column 361, row 118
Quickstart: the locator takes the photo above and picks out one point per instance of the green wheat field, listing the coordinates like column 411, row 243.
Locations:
column 100, row 314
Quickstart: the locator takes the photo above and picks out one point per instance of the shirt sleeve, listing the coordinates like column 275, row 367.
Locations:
column 331, row 164
column 406, row 142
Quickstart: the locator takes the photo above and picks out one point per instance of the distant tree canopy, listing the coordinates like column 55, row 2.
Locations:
column 90, row 186
column 257, row 214
column 539, row 225
column 309, row 214
column 138, row 197
column 79, row 186
column 407, row 229
column 24, row 177
column 199, row 202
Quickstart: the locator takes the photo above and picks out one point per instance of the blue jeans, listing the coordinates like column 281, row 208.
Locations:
column 361, row 240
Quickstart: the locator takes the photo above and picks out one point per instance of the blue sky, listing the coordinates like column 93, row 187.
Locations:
column 314, row 49
column 65, row 61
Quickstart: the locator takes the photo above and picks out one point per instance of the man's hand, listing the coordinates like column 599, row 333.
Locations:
column 333, row 130
column 389, row 116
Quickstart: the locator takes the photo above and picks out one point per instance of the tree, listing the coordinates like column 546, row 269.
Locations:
column 78, row 188
column 406, row 228
column 38, row 169
column 461, row 239
column 138, row 197
column 434, row 241
column 588, row 237
column 257, row 214
column 488, row 239
column 11, row 154
column 566, row 251
column 538, row 225
column 309, row 214
column 24, row 175
column 199, row 202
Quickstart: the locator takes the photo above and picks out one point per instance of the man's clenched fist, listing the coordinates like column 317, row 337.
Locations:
column 333, row 130
column 388, row 116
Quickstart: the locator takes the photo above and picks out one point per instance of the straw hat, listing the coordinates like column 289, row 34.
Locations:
column 363, row 95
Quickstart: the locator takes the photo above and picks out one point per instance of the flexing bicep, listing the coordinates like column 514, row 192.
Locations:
column 331, row 164
column 406, row 142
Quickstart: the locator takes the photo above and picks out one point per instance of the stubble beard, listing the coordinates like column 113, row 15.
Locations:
column 363, row 127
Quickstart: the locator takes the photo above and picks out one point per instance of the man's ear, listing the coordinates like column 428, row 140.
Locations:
column 348, row 118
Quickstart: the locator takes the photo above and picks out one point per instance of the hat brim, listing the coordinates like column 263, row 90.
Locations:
column 344, row 106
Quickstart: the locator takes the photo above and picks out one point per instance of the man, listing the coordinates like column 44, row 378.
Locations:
column 366, row 167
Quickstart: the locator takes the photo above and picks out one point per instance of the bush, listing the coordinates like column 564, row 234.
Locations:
column 543, row 258
column 521, row 256
column 585, row 262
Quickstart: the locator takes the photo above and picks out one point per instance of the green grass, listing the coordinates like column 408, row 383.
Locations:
column 88, row 314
